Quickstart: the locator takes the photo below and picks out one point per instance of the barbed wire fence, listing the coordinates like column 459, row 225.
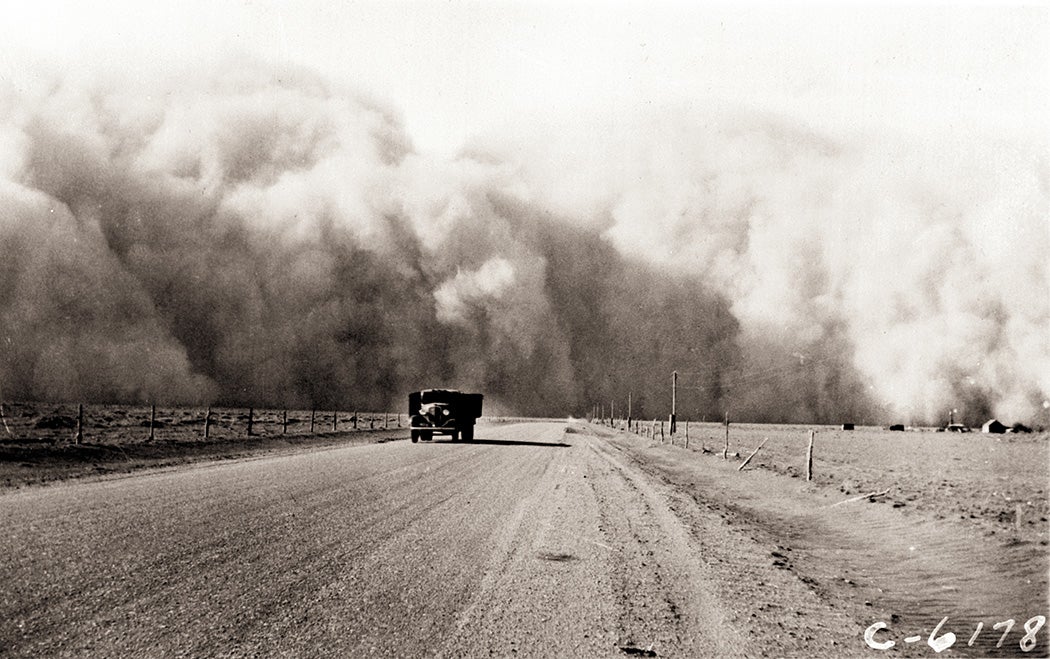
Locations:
column 102, row 423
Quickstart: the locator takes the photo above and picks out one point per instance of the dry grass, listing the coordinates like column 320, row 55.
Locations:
column 37, row 439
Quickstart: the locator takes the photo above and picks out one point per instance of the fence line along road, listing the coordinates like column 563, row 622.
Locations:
column 78, row 422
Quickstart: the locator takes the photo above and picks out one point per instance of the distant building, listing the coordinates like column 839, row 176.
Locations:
column 993, row 425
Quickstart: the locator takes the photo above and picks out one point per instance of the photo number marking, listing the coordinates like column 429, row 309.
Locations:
column 941, row 642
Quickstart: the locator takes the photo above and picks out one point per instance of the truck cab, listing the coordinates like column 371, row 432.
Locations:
column 443, row 412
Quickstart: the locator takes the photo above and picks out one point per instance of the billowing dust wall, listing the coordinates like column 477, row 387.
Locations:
column 246, row 235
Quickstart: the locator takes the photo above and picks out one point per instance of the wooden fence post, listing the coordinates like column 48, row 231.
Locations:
column 80, row 424
column 809, row 456
column 687, row 434
column 355, row 420
column 207, row 423
column 152, row 419
column 335, row 420
column 312, row 412
column 725, row 449
column 251, row 415
column 753, row 454
column 284, row 422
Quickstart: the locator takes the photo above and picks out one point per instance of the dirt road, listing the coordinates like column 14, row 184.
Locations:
column 540, row 539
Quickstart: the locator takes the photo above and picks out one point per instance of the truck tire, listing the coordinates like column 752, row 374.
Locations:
column 426, row 435
column 415, row 436
column 468, row 433
column 455, row 435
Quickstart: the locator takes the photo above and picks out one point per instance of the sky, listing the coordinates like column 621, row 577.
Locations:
column 458, row 69
column 814, row 213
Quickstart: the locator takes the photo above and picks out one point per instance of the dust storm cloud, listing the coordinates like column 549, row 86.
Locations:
column 251, row 235
column 872, row 276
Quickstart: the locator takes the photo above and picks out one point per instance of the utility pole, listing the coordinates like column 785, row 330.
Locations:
column 674, row 401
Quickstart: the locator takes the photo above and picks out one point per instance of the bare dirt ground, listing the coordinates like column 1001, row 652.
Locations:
column 994, row 484
column 541, row 539
column 943, row 542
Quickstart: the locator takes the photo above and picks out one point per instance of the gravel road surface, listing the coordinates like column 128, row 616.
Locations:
column 533, row 541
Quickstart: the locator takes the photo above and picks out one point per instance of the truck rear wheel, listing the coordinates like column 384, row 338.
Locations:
column 468, row 433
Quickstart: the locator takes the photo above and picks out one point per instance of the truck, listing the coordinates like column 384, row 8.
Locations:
column 443, row 412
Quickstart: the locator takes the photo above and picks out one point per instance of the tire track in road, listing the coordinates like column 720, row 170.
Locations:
column 195, row 554
column 327, row 553
column 146, row 556
column 596, row 555
column 537, row 542
column 417, row 581
column 546, row 590
column 665, row 596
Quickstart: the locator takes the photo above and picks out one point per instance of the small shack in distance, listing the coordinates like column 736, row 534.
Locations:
column 993, row 426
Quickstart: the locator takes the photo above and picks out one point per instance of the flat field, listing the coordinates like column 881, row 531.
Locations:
column 998, row 484
column 38, row 440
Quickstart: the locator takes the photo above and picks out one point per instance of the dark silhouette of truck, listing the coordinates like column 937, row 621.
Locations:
column 443, row 412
